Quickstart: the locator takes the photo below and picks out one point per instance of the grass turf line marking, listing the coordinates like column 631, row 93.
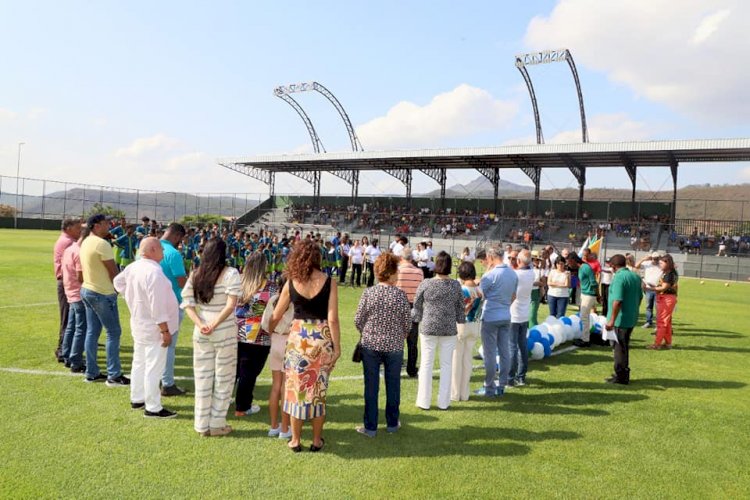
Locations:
column 29, row 371
column 29, row 305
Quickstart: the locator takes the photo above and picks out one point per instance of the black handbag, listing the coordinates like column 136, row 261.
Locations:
column 357, row 354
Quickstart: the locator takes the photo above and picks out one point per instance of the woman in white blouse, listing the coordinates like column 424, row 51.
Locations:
column 558, row 294
column 357, row 258
column 372, row 252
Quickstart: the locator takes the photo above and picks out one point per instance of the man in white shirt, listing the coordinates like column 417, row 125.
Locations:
column 154, row 314
column 372, row 252
column 393, row 244
column 651, row 276
column 401, row 242
column 519, row 317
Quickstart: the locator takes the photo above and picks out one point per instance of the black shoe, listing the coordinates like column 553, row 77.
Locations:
column 172, row 390
column 316, row 449
column 163, row 413
column 581, row 343
column 78, row 369
column 138, row 406
column 60, row 359
column 67, row 364
column 615, row 380
column 99, row 378
column 120, row 381
column 412, row 375
column 295, row 449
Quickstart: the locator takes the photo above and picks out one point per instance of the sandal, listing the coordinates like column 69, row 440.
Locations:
column 221, row 431
column 316, row 449
column 295, row 449
column 654, row 347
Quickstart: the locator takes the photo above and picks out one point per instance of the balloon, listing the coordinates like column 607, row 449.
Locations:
column 547, row 346
column 537, row 351
column 551, row 339
column 566, row 321
column 569, row 333
column 543, row 328
column 529, row 344
column 550, row 320
column 558, row 331
column 535, row 335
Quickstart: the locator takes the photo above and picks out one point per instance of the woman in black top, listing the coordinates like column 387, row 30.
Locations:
column 313, row 345
column 666, row 300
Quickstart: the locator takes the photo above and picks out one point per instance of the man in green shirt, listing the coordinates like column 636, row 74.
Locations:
column 589, row 297
column 625, row 295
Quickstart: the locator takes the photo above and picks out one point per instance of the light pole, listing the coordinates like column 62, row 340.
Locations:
column 18, row 174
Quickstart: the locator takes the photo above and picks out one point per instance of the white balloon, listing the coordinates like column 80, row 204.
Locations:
column 569, row 333
column 558, row 332
column 550, row 320
column 537, row 352
column 543, row 329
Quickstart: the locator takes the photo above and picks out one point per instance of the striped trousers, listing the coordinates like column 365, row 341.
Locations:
column 215, row 369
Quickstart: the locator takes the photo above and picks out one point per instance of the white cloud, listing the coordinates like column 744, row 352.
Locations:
column 6, row 114
column 36, row 113
column 687, row 54
column 616, row 127
column 463, row 111
column 145, row 145
column 188, row 162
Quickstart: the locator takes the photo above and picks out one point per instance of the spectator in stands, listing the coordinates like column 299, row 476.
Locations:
column 625, row 296
column 438, row 308
column 313, row 346
column 468, row 333
column 209, row 299
column 100, row 300
column 589, row 297
column 174, row 268
column 558, row 293
column 519, row 319
column 153, row 318
column 75, row 331
column 666, row 300
column 498, row 286
column 71, row 231
column 409, row 279
column 254, row 342
column 372, row 252
column 383, row 319
column 649, row 265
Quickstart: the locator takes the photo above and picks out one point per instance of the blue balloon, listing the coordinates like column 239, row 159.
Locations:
column 547, row 346
column 566, row 321
column 551, row 339
column 529, row 344
column 534, row 335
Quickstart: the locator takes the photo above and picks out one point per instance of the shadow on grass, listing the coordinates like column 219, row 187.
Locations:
column 658, row 384
column 705, row 332
column 418, row 442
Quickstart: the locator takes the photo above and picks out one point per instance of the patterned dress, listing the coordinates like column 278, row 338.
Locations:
column 308, row 357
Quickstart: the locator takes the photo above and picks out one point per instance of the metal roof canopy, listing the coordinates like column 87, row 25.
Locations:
column 529, row 158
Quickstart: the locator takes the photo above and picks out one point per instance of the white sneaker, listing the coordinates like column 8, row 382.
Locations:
column 274, row 432
column 253, row 409
column 285, row 435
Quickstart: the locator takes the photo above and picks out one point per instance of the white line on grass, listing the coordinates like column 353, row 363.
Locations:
column 28, row 371
column 29, row 305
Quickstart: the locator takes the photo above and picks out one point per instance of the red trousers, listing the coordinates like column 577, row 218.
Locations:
column 664, row 306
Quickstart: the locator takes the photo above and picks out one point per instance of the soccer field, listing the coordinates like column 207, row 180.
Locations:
column 679, row 430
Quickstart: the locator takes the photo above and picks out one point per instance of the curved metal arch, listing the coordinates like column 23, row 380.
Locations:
column 572, row 65
column 527, row 78
column 317, row 144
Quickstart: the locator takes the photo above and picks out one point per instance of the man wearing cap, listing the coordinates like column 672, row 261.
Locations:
column 625, row 295
column 100, row 300
column 649, row 264
column 153, row 320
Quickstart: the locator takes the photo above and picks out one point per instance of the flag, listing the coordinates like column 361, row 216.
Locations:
column 584, row 246
column 596, row 246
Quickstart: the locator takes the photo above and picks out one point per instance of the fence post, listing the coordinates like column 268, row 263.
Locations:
column 44, row 197
column 137, row 203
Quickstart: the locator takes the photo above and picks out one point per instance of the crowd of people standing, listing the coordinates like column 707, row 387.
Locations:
column 252, row 297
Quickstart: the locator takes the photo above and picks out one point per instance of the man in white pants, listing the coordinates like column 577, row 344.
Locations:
column 153, row 318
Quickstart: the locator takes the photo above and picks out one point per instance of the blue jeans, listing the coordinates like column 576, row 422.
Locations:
column 519, row 354
column 167, row 379
column 557, row 305
column 495, row 340
column 391, row 361
column 75, row 334
column 650, row 304
column 101, row 310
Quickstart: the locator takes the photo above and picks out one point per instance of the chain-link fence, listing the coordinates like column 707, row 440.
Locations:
column 26, row 198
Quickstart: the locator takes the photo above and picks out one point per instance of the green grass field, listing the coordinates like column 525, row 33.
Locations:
column 679, row 430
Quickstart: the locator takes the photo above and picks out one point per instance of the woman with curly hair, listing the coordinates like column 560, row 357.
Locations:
column 666, row 300
column 313, row 346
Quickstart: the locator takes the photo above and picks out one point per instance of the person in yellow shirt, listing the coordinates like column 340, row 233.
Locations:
column 100, row 299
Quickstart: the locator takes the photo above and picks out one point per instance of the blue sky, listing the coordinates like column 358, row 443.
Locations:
column 149, row 94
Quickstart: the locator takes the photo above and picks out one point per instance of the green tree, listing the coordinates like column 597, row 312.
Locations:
column 99, row 208
column 7, row 211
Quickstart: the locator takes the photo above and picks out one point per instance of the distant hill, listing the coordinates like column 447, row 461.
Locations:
column 725, row 201
column 160, row 206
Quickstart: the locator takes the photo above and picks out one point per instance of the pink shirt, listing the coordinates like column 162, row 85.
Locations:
column 63, row 242
column 71, row 266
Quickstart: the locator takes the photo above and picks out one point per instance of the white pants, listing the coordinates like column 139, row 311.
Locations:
column 149, row 359
column 587, row 305
column 444, row 346
column 215, row 367
column 468, row 333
